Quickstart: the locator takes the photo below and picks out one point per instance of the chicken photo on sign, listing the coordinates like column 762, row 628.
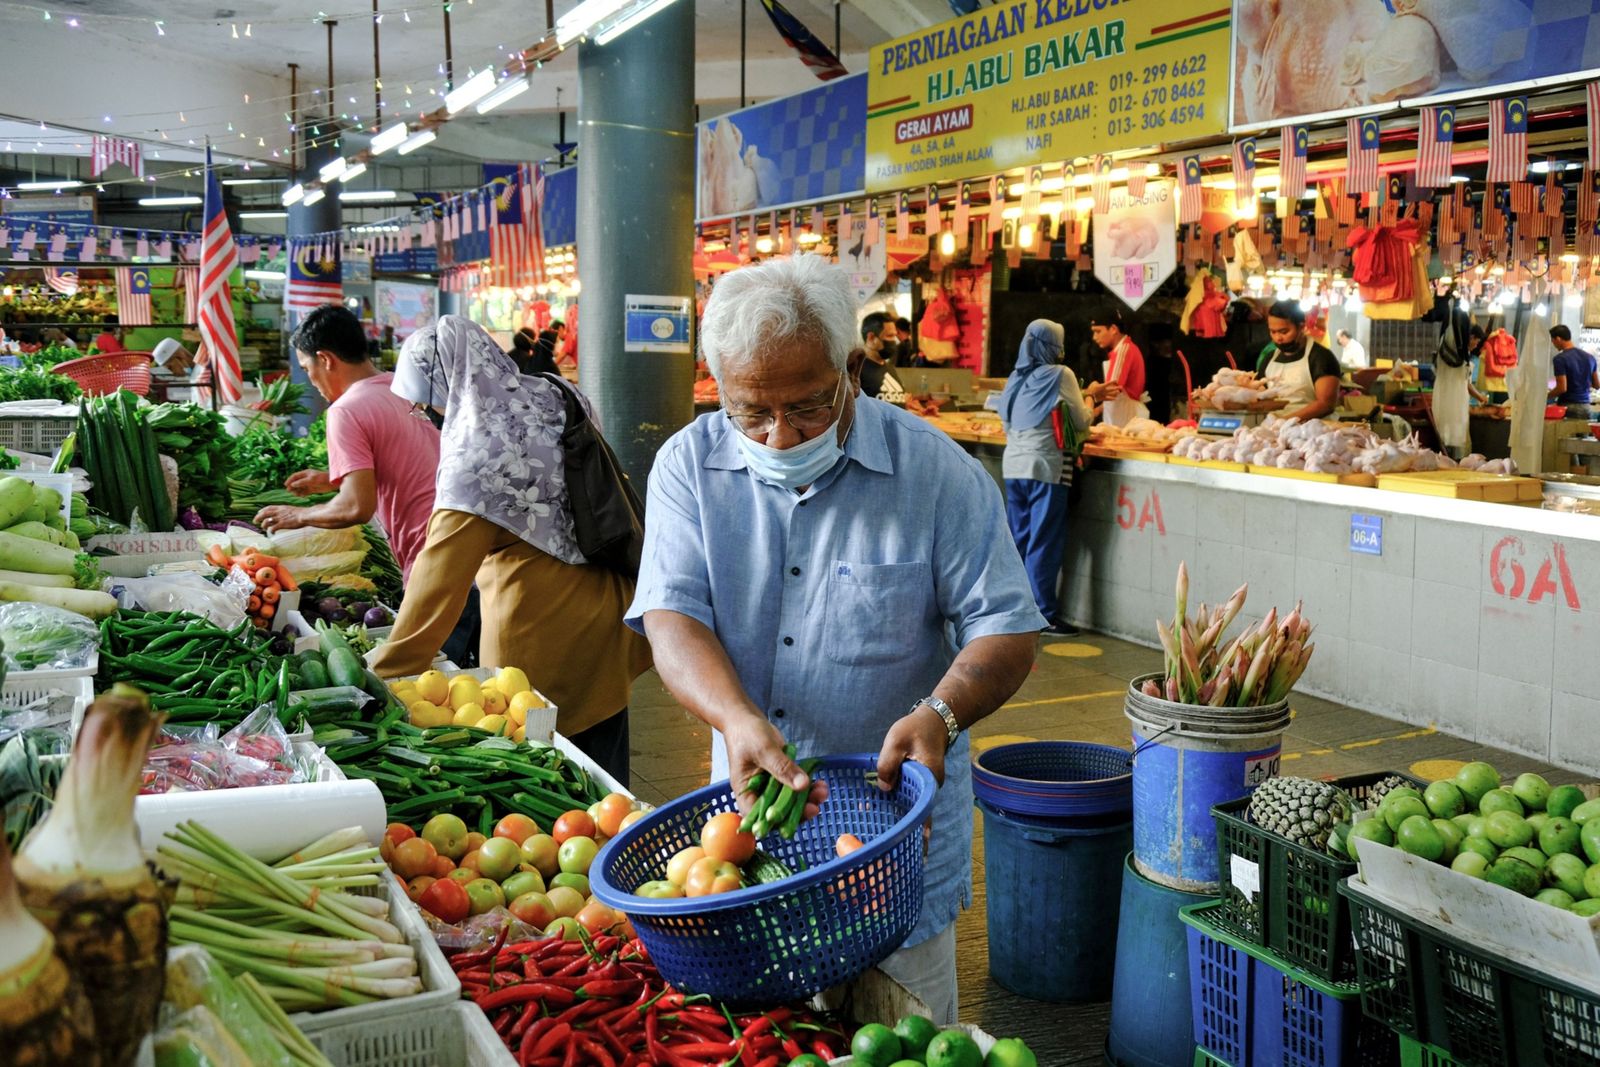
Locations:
column 1136, row 242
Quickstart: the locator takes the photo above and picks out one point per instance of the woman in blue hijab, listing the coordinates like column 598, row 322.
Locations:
column 1036, row 500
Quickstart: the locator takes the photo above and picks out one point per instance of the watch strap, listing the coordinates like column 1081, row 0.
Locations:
column 952, row 725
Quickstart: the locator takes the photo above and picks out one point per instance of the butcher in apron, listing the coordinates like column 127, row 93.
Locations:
column 1303, row 372
column 1124, row 366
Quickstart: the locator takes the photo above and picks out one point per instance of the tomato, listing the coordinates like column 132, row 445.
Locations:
column 721, row 839
column 413, row 857
column 446, row 900
column 612, row 810
column 448, row 835
column 659, row 890
column 710, row 876
column 573, row 824
column 596, row 918
column 577, row 882
column 566, row 900
column 534, row 909
column 629, row 819
column 469, row 862
column 498, row 858
column 576, row 855
column 416, row 886
column 517, row 827
column 463, row 875
column 542, row 854
column 442, row 866
column 484, row 895
column 678, row 866
column 392, row 836
column 474, row 841
column 523, row 882
column 846, row 844
column 566, row 928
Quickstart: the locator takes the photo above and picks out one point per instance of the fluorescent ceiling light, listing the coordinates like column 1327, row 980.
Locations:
column 417, row 140
column 293, row 194
column 353, row 172
column 64, row 183
column 581, row 19
column 263, row 214
column 169, row 201
column 470, row 91
column 389, row 138
column 265, row 275
column 252, row 181
column 357, row 195
column 1545, row 166
column 332, row 170
column 314, row 196
column 1460, row 179
column 630, row 20
column 503, row 92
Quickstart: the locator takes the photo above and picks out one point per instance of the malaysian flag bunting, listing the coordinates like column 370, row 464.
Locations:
column 1102, row 184
column 962, row 222
column 902, row 218
column 116, row 250
column 1292, row 146
column 1136, row 180
column 1244, row 171
column 516, row 234
column 188, row 279
column 1589, row 196
column 64, row 282
column 813, row 53
column 1436, row 139
column 997, row 203
column 1524, row 199
column 218, row 258
column 313, row 280
column 1594, row 125
column 1508, row 139
column 108, row 150
column 1362, row 134
column 1191, row 203
column 133, row 296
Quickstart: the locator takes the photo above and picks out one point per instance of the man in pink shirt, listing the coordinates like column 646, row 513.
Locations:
column 382, row 458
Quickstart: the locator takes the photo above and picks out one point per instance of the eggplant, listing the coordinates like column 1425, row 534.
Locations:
column 358, row 608
column 328, row 605
column 376, row 616
column 337, row 617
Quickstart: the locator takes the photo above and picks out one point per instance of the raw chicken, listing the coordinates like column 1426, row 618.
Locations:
column 1402, row 62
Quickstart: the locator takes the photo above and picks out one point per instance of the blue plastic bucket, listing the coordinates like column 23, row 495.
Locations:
column 1186, row 760
column 1150, row 1022
column 1051, row 878
column 1056, row 780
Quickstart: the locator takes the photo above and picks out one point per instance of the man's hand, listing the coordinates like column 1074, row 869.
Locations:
column 1113, row 390
column 754, row 744
column 309, row 483
column 280, row 517
column 919, row 736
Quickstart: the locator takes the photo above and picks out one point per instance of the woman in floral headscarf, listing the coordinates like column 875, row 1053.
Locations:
column 501, row 513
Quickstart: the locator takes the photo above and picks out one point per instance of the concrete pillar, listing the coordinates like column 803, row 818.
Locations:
column 636, row 224
column 317, row 218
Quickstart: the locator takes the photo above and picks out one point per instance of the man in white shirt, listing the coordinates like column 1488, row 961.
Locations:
column 1352, row 354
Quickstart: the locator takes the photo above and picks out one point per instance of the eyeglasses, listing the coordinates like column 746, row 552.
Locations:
column 802, row 420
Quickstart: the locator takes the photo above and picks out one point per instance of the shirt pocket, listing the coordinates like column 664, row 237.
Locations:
column 876, row 611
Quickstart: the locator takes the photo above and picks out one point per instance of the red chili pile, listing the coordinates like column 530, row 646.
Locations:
column 601, row 1003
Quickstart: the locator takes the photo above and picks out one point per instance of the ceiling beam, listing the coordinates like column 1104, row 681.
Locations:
column 897, row 18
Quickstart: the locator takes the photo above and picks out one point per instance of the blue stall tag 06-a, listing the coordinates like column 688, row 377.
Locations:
column 1366, row 534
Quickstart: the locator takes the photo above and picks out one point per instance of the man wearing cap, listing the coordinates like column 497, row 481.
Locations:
column 1124, row 365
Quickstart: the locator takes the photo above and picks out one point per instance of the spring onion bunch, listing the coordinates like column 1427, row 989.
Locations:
column 1255, row 669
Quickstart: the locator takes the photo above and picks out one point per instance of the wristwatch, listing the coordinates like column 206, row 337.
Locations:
column 951, row 725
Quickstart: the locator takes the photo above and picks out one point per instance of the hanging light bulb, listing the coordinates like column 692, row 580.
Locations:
column 235, row 31
column 1542, row 309
column 947, row 243
column 159, row 31
column 247, row 29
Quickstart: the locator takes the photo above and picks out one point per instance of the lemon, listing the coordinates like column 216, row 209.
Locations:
column 519, row 734
column 467, row 715
column 495, row 724
column 494, row 701
column 511, row 681
column 463, row 691
column 518, row 714
column 425, row 716
column 523, row 703
column 433, row 687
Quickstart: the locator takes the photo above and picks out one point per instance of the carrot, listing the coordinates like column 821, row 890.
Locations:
column 254, row 605
column 286, row 580
column 217, row 557
column 266, row 576
column 846, row 844
column 261, row 624
column 261, row 560
column 268, row 611
column 271, row 593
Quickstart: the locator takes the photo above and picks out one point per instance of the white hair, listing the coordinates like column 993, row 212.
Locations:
column 754, row 310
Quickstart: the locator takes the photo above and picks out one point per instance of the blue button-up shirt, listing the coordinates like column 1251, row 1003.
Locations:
column 842, row 605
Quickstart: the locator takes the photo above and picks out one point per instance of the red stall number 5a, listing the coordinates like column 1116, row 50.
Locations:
column 1131, row 515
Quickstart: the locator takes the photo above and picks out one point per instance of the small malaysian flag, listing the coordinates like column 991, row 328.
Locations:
column 1436, row 139
column 133, row 296
column 1594, row 125
column 313, row 279
column 1362, row 135
column 1102, row 184
column 1524, row 199
column 1191, row 201
column 817, row 57
column 1244, row 171
column 64, row 282
column 1508, row 139
column 1589, row 196
column 1293, row 144
column 108, row 150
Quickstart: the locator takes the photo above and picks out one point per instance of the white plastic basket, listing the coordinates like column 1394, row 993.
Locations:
column 458, row 1035
column 36, row 678
column 65, row 698
column 440, row 986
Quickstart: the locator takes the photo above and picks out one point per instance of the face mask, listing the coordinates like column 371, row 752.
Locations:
column 791, row 468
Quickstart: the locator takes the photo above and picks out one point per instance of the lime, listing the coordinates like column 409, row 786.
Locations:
column 1470, row 864
column 1589, row 838
column 1482, row 846
column 915, row 1032
column 1585, row 811
column 1591, row 882
column 906, row 1063
column 1531, row 856
column 808, row 1060
column 875, row 1045
column 1511, row 873
column 1374, row 829
column 1464, row 821
column 1509, row 830
column 1564, row 800
column 1532, row 790
column 1587, row 908
column 1396, row 810
column 1538, row 820
column 1452, row 836
column 1419, row 837
column 1010, row 1052
column 1500, row 800
column 1476, row 779
column 952, row 1048
column 1445, row 800
column 1559, row 835
column 1556, row 898
column 1565, row 872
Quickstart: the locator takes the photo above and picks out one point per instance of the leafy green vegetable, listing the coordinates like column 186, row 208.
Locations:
column 27, row 785
column 36, row 383
column 197, row 439
column 268, row 456
column 283, row 397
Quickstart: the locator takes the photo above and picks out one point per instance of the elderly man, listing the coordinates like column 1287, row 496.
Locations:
column 823, row 568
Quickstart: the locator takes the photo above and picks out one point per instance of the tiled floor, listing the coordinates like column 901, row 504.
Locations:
column 1075, row 693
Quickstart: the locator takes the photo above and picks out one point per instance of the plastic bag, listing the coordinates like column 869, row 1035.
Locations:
column 192, row 593
column 198, row 983
column 42, row 638
column 256, row 752
column 480, row 931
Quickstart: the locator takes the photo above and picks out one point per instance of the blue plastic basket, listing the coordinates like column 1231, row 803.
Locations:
column 787, row 940
column 1055, row 779
column 1251, row 1009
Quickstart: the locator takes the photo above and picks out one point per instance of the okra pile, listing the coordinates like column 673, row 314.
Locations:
column 778, row 808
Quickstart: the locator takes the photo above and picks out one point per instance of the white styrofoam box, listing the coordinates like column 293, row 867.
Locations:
column 180, row 543
column 1522, row 929
column 267, row 821
column 541, row 722
column 61, row 483
column 563, row 744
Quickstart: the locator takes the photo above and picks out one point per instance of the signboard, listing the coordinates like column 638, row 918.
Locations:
column 1028, row 82
column 412, row 259
column 796, row 150
column 656, row 323
column 1136, row 243
column 1293, row 66
column 406, row 307
column 868, row 264
column 356, row 270
column 77, row 210
column 1366, row 534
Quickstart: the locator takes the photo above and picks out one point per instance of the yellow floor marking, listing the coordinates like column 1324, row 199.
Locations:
column 1436, row 770
column 1073, row 650
column 1290, row 755
column 984, row 744
column 1064, row 700
column 1370, row 742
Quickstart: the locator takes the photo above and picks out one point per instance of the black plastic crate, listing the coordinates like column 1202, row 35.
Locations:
column 1469, row 1003
column 1296, row 911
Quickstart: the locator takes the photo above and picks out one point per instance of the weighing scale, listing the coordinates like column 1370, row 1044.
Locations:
column 1221, row 424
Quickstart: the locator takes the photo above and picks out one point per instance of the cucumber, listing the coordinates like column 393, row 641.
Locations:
column 345, row 669
column 313, row 675
column 765, row 868
column 327, row 706
column 374, row 686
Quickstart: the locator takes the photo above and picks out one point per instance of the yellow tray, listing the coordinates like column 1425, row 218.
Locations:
column 1124, row 453
column 1465, row 485
column 1209, row 464
column 1366, row 480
